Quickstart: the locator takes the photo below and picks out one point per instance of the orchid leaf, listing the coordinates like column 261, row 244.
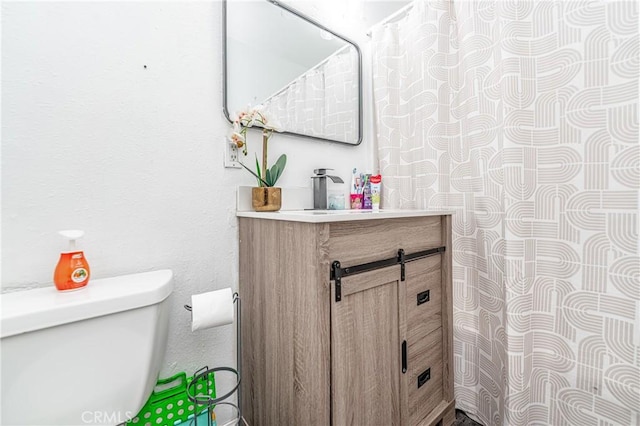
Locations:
column 260, row 181
column 259, row 173
column 270, row 182
column 278, row 168
column 271, row 175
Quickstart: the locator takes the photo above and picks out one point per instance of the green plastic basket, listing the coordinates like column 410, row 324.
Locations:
column 171, row 406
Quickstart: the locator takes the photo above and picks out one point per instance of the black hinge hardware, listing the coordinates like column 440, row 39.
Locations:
column 337, row 272
column 401, row 261
column 424, row 377
column 336, row 275
column 425, row 253
column 404, row 356
column 423, row 297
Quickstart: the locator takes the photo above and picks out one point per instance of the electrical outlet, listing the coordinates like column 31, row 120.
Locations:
column 231, row 155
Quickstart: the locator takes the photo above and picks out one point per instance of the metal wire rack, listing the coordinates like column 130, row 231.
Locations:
column 198, row 394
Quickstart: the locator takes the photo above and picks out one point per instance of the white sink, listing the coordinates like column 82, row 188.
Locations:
column 321, row 216
column 332, row 212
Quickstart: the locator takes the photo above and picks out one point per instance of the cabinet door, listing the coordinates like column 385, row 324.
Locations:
column 366, row 349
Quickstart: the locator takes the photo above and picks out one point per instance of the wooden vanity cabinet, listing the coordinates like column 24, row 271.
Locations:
column 347, row 323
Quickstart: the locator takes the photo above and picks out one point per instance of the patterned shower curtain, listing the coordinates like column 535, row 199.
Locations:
column 522, row 116
column 323, row 101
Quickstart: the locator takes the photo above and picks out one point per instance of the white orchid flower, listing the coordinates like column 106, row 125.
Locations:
column 245, row 119
column 236, row 137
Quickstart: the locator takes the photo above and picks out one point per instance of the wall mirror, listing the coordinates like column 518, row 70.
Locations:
column 302, row 73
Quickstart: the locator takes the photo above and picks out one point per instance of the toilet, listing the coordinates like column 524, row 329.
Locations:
column 88, row 357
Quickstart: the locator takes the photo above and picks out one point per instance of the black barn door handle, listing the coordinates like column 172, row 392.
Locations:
column 404, row 356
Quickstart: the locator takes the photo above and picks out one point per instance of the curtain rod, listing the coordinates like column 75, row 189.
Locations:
column 389, row 19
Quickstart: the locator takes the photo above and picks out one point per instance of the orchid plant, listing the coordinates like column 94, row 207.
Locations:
column 238, row 136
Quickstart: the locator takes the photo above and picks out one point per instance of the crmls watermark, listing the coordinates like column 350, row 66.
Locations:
column 105, row 418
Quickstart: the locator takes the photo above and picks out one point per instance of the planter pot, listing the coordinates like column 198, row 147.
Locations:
column 265, row 199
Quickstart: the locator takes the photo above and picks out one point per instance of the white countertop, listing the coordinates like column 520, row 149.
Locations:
column 322, row 216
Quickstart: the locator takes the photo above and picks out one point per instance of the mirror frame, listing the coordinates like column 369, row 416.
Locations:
column 317, row 24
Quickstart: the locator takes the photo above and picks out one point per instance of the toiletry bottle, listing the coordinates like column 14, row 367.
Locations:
column 356, row 191
column 366, row 192
column 376, row 182
column 72, row 271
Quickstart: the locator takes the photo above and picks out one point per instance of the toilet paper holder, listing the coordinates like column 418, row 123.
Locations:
column 211, row 402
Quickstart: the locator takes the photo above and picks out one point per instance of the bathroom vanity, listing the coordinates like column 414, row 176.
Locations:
column 347, row 318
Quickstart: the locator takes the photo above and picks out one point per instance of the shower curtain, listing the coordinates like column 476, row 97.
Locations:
column 323, row 101
column 522, row 116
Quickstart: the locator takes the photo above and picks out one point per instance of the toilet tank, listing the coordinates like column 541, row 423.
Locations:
column 88, row 357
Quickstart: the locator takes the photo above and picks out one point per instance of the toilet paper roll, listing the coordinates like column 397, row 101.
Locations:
column 211, row 309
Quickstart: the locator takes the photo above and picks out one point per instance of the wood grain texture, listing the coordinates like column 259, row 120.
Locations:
column 308, row 360
column 447, row 309
column 285, row 326
column 402, row 327
column 449, row 415
column 425, row 353
column 365, row 351
column 445, row 412
column 357, row 242
column 424, row 337
column 422, row 275
column 366, row 280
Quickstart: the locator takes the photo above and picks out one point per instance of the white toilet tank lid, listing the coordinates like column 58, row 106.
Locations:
column 29, row 310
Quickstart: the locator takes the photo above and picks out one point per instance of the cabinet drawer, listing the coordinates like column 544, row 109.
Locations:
column 423, row 296
column 424, row 377
column 364, row 241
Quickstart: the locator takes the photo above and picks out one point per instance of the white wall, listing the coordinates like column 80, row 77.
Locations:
column 93, row 140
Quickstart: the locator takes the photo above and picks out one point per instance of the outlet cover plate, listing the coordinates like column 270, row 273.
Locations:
column 231, row 155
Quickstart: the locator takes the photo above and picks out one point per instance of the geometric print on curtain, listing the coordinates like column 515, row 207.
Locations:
column 323, row 101
column 522, row 116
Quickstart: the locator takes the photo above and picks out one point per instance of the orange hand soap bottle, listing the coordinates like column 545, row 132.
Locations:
column 72, row 271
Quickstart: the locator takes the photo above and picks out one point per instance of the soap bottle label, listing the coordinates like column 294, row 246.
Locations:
column 79, row 274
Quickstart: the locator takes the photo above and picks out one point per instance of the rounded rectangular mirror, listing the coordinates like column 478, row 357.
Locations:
column 303, row 74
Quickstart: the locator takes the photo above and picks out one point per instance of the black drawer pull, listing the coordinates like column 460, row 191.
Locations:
column 423, row 297
column 404, row 356
column 424, row 377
